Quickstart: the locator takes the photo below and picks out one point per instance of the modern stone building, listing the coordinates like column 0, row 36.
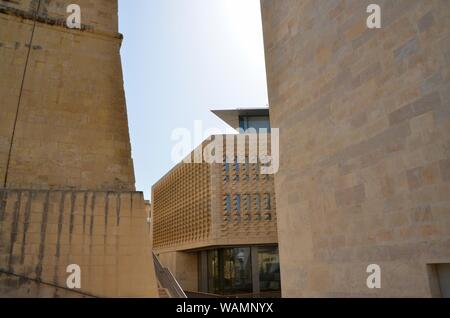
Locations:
column 67, row 193
column 364, row 147
column 214, row 224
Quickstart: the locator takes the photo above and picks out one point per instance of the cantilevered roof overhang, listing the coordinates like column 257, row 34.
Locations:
column 231, row 116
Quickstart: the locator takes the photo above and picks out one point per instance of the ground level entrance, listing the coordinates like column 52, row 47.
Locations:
column 240, row 270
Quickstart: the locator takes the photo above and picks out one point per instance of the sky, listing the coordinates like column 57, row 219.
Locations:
column 182, row 58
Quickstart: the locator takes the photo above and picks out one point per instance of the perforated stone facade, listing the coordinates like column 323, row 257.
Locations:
column 190, row 211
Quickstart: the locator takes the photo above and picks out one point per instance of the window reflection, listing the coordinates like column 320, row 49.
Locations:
column 213, row 270
column 249, row 123
column 269, row 269
column 230, row 270
column 227, row 171
column 237, row 200
column 247, row 202
column 237, row 273
column 227, row 203
column 268, row 202
column 258, row 202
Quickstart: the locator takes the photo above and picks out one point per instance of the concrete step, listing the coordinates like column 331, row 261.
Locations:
column 163, row 293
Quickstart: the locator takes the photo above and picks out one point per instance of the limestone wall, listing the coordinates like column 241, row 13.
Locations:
column 364, row 118
column 98, row 16
column 64, row 121
column 105, row 233
column 184, row 266
column 65, row 156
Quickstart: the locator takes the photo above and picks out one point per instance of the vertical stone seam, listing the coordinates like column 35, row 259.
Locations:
column 58, row 240
column 91, row 224
column 26, row 225
column 43, row 233
column 14, row 230
column 36, row 13
column 3, row 202
column 106, row 218
column 118, row 207
column 72, row 215
column 60, row 223
column 85, row 203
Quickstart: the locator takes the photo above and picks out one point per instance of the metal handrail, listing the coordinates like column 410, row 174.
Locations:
column 167, row 280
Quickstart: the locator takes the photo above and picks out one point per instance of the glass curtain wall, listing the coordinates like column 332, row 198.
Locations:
column 254, row 122
column 230, row 270
column 269, row 269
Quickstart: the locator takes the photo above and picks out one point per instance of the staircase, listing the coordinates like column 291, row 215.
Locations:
column 168, row 285
column 163, row 293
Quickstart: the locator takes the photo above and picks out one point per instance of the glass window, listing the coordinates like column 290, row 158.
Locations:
column 237, row 200
column 229, row 270
column 254, row 122
column 267, row 201
column 443, row 273
column 228, row 203
column 259, row 122
column 257, row 170
column 247, row 202
column 243, row 122
column 213, row 271
column 269, row 269
column 227, row 171
column 246, row 169
column 257, row 202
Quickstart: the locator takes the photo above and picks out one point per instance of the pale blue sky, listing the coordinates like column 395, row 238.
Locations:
column 182, row 58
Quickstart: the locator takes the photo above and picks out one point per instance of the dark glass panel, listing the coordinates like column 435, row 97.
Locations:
column 269, row 269
column 254, row 123
column 213, row 272
column 237, row 270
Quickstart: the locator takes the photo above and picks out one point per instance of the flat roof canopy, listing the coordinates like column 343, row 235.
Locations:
column 231, row 116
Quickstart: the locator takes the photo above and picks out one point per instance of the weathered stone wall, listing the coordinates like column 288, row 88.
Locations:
column 365, row 159
column 97, row 15
column 65, row 156
column 105, row 233
column 64, row 122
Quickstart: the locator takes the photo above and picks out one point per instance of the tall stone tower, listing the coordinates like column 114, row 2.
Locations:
column 364, row 149
column 67, row 182
column 64, row 121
